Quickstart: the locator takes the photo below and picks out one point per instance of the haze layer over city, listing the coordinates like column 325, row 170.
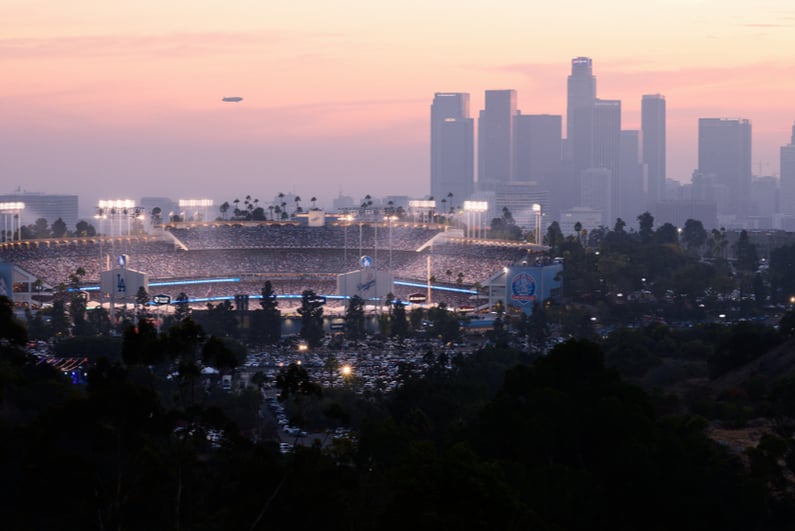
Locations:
column 123, row 101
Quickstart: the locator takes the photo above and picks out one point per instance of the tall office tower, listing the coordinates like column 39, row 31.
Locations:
column 787, row 201
column 495, row 139
column 537, row 147
column 631, row 176
column 452, row 146
column 724, row 151
column 47, row 206
column 606, row 150
column 652, row 120
column 597, row 193
column 581, row 91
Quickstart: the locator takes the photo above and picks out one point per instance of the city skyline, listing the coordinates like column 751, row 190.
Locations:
column 108, row 101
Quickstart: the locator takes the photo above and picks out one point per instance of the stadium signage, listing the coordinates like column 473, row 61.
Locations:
column 318, row 300
column 418, row 297
column 161, row 299
column 466, row 308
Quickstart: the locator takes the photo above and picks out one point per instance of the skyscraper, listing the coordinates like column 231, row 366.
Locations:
column 606, row 147
column 653, row 129
column 581, row 91
column 787, row 201
column 537, row 147
column 495, row 139
column 724, row 152
column 631, row 177
column 452, row 146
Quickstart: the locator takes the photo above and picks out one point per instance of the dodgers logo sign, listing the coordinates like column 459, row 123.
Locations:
column 523, row 288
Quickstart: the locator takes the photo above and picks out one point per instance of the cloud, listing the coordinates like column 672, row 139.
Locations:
column 751, row 25
column 166, row 45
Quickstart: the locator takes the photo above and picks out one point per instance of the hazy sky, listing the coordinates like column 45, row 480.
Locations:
column 123, row 99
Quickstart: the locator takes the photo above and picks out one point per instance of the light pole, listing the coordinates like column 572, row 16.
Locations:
column 389, row 220
column 14, row 210
column 474, row 209
column 537, row 212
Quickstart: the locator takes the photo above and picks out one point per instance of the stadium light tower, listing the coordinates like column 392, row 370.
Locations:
column 117, row 209
column 390, row 220
column 538, row 214
column 474, row 211
column 203, row 204
column 13, row 211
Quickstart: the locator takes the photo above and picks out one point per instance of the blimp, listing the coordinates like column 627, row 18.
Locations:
column 233, row 99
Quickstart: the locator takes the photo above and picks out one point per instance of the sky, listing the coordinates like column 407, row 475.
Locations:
column 112, row 100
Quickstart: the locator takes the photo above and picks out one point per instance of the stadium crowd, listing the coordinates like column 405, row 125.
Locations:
column 292, row 257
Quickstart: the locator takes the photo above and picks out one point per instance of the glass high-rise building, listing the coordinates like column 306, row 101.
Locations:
column 787, row 201
column 653, row 136
column 724, row 153
column 537, row 147
column 581, row 90
column 495, row 139
column 452, row 146
column 632, row 173
column 606, row 148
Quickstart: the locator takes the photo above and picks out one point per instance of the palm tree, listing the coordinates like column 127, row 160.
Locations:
column 577, row 229
column 224, row 208
column 298, row 208
column 236, row 212
column 313, row 200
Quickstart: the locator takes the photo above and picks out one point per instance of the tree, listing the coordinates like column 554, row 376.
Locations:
column 444, row 324
column 140, row 344
column 12, row 332
column 294, row 380
column 221, row 320
column 181, row 307
column 538, row 330
column 58, row 228
column 646, row 225
column 58, row 319
column 77, row 312
column 40, row 229
column 224, row 208
column 398, row 324
column 747, row 259
column 354, row 319
column 272, row 318
column 142, row 299
column 311, row 312
column 667, row 234
column 216, row 353
column 554, row 236
column 183, row 344
column 83, row 229
column 693, row 235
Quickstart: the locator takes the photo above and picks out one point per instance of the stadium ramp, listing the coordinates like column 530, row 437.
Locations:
column 168, row 236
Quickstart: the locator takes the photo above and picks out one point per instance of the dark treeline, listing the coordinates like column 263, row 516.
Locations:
column 501, row 439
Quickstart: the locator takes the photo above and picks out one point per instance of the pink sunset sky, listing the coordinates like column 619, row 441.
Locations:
column 110, row 101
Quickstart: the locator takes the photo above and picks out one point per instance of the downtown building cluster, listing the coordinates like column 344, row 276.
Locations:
column 598, row 172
